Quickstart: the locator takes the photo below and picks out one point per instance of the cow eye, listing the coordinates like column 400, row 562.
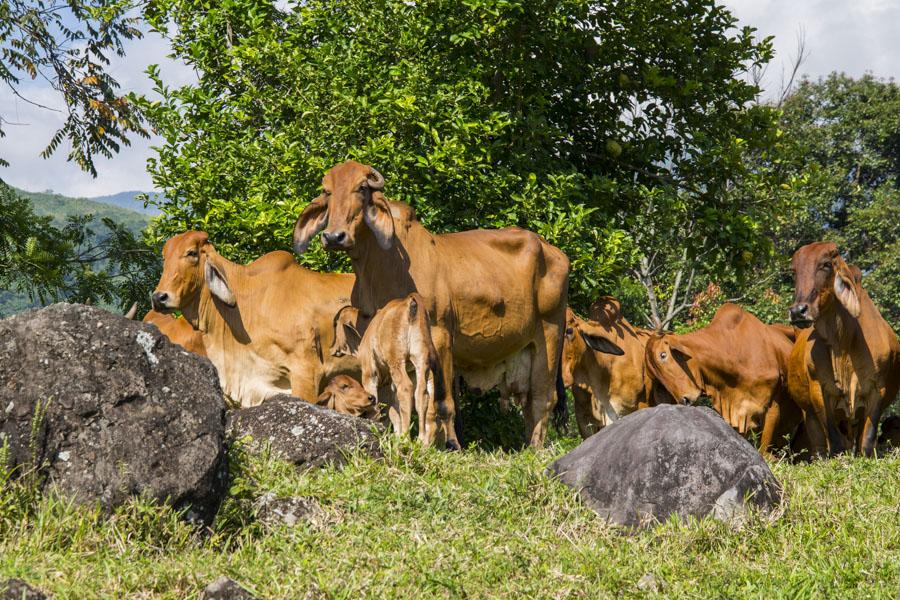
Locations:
column 662, row 355
column 569, row 331
column 192, row 253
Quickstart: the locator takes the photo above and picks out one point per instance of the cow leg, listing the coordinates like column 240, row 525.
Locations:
column 305, row 386
column 403, row 386
column 584, row 414
column 868, row 437
column 542, row 392
column 445, row 435
column 770, row 427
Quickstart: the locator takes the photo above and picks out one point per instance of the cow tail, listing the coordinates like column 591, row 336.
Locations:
column 561, row 410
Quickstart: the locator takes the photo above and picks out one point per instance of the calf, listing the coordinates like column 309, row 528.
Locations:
column 178, row 330
column 396, row 342
column 845, row 366
column 603, row 364
column 740, row 363
column 345, row 395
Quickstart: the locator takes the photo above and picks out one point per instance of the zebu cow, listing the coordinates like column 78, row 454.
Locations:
column 496, row 298
column 845, row 366
column 740, row 363
column 603, row 364
column 265, row 326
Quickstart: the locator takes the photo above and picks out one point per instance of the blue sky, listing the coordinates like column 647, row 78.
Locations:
column 851, row 36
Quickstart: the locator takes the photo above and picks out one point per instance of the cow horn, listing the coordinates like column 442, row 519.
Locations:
column 132, row 312
column 376, row 180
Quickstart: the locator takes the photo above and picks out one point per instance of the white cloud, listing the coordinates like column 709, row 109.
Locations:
column 854, row 37
column 35, row 126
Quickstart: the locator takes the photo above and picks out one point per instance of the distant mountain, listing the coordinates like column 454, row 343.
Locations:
column 128, row 200
column 132, row 215
column 60, row 207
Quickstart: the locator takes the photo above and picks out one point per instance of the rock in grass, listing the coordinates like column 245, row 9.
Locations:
column 290, row 511
column 225, row 588
column 302, row 433
column 669, row 460
column 16, row 589
column 107, row 408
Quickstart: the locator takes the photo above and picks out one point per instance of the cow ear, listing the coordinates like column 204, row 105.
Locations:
column 346, row 335
column 312, row 220
column 599, row 343
column 325, row 399
column 846, row 286
column 378, row 217
column 218, row 284
column 678, row 352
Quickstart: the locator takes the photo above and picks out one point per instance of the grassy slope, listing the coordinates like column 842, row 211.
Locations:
column 474, row 524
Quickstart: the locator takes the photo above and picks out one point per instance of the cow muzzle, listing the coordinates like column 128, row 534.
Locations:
column 800, row 315
column 160, row 301
column 336, row 240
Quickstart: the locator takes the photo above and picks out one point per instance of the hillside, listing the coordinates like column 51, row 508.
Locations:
column 60, row 207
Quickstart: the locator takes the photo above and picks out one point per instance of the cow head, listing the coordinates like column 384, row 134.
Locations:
column 672, row 367
column 182, row 276
column 189, row 263
column 821, row 276
column 345, row 395
column 351, row 202
column 582, row 335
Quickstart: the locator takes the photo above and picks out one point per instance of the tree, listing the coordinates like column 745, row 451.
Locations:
column 68, row 44
column 581, row 120
column 76, row 262
column 844, row 163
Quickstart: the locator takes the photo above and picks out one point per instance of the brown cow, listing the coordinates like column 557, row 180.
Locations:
column 265, row 325
column 396, row 342
column 345, row 395
column 603, row 364
column 845, row 370
column 178, row 330
column 496, row 298
column 741, row 363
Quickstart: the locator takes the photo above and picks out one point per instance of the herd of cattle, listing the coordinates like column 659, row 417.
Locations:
column 489, row 307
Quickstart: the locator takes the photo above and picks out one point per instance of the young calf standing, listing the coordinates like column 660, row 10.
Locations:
column 396, row 342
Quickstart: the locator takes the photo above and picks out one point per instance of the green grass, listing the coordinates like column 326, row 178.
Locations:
column 423, row 523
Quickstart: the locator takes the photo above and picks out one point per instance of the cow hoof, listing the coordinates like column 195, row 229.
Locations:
column 453, row 446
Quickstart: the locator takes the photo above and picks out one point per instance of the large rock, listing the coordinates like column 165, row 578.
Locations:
column 302, row 433
column 669, row 460
column 117, row 409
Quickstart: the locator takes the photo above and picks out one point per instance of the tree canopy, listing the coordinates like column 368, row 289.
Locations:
column 615, row 129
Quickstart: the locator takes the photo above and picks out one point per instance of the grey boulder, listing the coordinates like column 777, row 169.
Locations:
column 669, row 460
column 107, row 408
column 302, row 433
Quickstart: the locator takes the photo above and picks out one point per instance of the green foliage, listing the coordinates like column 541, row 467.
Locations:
column 425, row 523
column 68, row 43
column 566, row 117
column 845, row 165
column 63, row 255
